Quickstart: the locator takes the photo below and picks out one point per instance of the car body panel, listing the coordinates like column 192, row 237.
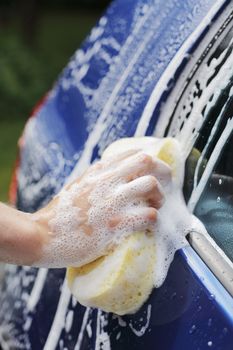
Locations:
column 100, row 97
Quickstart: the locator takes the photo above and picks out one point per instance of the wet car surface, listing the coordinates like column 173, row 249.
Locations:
column 148, row 68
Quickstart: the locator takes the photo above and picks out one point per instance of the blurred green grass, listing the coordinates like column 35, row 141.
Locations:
column 9, row 134
column 26, row 74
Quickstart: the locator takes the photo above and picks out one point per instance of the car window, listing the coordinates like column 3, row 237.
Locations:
column 214, row 145
column 202, row 119
column 215, row 206
column 213, row 150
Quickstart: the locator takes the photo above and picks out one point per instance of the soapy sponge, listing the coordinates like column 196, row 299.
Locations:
column 121, row 281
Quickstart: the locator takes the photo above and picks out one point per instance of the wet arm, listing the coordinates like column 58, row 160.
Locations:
column 20, row 237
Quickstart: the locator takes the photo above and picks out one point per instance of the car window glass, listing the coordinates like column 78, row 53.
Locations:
column 210, row 161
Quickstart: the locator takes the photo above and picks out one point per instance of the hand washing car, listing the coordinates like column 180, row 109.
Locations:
column 151, row 68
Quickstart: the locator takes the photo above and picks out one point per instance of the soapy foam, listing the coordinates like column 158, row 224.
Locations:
column 173, row 225
column 142, row 330
column 108, row 199
column 173, row 222
column 83, row 328
column 170, row 229
column 102, row 336
column 72, row 246
column 59, row 319
column 36, row 290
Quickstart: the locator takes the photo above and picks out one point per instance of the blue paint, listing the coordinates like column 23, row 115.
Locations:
column 112, row 77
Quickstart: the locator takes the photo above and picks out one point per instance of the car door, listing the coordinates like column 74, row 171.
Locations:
column 148, row 68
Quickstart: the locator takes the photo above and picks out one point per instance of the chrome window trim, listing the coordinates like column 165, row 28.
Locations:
column 214, row 257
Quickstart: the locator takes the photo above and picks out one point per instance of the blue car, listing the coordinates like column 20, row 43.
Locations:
column 152, row 67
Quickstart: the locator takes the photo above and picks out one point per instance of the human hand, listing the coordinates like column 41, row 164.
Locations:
column 112, row 199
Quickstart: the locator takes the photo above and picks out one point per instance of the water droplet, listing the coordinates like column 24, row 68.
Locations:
column 199, row 308
column 225, row 330
column 220, row 181
column 218, row 199
column 173, row 296
column 211, row 297
column 118, row 335
column 192, row 329
column 210, row 321
column 210, row 343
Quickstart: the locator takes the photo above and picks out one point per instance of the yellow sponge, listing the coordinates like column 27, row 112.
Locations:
column 121, row 281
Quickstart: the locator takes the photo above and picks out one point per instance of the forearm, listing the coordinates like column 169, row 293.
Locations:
column 113, row 198
column 21, row 240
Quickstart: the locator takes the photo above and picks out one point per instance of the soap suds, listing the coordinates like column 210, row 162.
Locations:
column 113, row 209
column 84, row 325
column 102, row 337
column 173, row 225
column 69, row 320
column 174, row 220
column 59, row 319
column 37, row 289
column 142, row 330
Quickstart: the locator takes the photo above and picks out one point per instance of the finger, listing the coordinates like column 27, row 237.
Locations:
column 119, row 157
column 143, row 164
column 99, row 167
column 162, row 172
column 106, row 168
column 135, row 166
column 145, row 188
column 138, row 220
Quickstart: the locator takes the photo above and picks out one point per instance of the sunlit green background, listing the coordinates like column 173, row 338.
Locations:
column 36, row 40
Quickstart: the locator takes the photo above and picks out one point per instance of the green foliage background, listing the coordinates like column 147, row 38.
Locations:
column 27, row 73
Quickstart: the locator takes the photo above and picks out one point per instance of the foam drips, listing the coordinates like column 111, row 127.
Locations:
column 173, row 224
